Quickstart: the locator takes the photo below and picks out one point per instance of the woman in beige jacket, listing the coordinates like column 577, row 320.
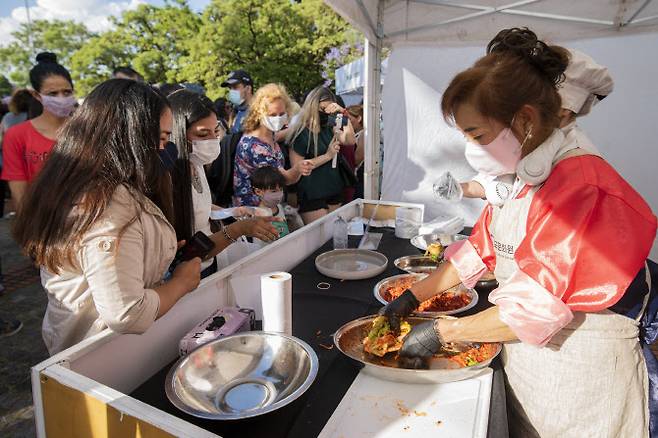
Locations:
column 98, row 219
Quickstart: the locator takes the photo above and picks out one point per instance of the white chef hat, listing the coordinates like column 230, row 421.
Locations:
column 585, row 84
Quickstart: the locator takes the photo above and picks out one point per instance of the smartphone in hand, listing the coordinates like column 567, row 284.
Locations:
column 337, row 120
column 198, row 245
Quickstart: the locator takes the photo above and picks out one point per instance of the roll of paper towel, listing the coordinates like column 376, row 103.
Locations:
column 407, row 221
column 276, row 299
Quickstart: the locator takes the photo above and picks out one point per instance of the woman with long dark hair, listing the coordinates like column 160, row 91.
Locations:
column 196, row 132
column 98, row 218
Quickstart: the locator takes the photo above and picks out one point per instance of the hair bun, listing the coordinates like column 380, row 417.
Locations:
column 552, row 61
column 45, row 57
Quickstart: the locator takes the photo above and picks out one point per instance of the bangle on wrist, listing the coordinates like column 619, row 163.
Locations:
column 227, row 235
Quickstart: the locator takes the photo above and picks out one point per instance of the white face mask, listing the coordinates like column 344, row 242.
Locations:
column 235, row 97
column 499, row 157
column 275, row 123
column 204, row 151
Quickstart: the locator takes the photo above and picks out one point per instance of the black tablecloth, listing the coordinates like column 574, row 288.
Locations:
column 316, row 316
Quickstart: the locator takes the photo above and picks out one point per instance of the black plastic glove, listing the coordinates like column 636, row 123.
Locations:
column 422, row 341
column 400, row 307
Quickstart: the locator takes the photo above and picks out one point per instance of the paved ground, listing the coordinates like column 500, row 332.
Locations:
column 23, row 299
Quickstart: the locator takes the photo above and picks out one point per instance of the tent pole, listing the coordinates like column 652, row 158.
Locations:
column 372, row 109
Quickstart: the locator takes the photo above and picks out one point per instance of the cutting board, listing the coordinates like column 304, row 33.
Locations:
column 376, row 408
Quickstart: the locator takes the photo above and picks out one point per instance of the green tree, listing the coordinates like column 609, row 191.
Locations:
column 274, row 40
column 60, row 37
column 155, row 41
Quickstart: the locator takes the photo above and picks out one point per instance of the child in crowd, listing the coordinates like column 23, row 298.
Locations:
column 267, row 183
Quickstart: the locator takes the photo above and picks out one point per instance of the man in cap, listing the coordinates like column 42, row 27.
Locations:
column 241, row 91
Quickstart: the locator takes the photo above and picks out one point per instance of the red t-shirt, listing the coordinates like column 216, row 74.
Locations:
column 24, row 150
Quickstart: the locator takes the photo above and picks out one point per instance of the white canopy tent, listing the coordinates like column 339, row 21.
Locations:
column 434, row 39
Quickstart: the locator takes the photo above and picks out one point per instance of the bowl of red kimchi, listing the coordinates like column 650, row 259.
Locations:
column 449, row 365
column 452, row 301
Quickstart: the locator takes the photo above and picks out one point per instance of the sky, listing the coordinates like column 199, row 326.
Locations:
column 94, row 13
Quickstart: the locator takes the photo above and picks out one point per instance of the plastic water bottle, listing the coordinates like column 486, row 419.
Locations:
column 340, row 233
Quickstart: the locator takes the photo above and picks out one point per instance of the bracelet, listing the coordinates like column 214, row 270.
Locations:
column 227, row 235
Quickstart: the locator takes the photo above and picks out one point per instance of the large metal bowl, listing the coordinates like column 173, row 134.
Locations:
column 242, row 376
column 422, row 241
column 380, row 287
column 349, row 340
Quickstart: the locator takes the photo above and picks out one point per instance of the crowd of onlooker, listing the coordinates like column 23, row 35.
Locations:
column 100, row 181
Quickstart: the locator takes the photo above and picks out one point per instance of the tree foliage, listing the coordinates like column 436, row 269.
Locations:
column 291, row 42
column 274, row 40
column 153, row 40
column 63, row 38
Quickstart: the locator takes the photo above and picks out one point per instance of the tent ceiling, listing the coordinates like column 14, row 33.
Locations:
column 457, row 23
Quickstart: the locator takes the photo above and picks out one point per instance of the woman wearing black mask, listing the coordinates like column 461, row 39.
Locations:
column 196, row 132
column 98, row 219
column 317, row 135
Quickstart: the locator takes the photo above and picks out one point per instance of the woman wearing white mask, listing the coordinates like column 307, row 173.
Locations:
column 576, row 301
column 197, row 133
column 585, row 84
column 268, row 114
column 26, row 146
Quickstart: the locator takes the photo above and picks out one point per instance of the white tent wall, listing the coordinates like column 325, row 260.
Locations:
column 418, row 145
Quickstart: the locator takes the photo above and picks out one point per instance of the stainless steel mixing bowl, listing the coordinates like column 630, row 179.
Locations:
column 242, row 376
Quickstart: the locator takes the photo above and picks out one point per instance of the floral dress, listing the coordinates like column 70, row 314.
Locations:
column 251, row 154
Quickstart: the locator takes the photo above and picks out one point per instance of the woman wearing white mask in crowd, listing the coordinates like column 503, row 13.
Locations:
column 197, row 133
column 26, row 146
column 576, row 304
column 585, row 84
column 268, row 114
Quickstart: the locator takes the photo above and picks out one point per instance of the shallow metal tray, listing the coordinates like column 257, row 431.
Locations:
column 349, row 340
column 422, row 241
column 416, row 264
column 381, row 285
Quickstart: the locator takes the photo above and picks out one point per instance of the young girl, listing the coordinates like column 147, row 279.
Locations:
column 268, row 184
column 26, row 146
